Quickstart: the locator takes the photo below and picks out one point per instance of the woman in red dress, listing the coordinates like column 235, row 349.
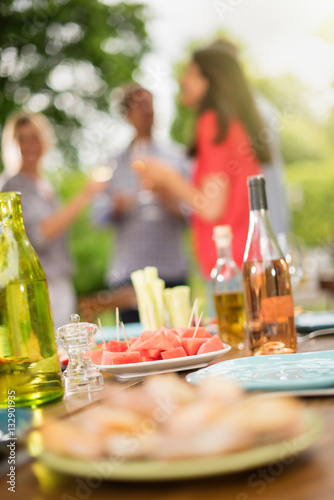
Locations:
column 230, row 144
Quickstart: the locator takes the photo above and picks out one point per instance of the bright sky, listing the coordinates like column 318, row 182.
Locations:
column 278, row 35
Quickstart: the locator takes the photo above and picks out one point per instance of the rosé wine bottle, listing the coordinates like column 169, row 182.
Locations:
column 268, row 298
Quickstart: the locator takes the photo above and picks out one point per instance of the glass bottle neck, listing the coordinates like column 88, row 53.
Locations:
column 261, row 219
column 224, row 252
column 225, row 275
column 18, row 260
column 261, row 243
column 11, row 212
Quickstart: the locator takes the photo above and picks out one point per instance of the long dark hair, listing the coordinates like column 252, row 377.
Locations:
column 229, row 95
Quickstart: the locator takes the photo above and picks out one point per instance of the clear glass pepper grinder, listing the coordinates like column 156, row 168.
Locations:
column 81, row 374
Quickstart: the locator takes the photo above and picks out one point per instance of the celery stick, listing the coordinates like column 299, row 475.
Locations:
column 157, row 288
column 150, row 273
column 151, row 299
column 143, row 297
column 150, row 291
column 178, row 305
column 167, row 293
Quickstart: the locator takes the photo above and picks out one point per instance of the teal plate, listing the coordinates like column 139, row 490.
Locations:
column 307, row 370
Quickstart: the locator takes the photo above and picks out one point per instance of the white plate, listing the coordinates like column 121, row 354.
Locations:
column 131, row 370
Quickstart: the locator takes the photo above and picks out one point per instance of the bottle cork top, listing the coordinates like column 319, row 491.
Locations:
column 222, row 230
column 222, row 235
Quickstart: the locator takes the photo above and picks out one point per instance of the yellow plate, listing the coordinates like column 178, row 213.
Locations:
column 157, row 470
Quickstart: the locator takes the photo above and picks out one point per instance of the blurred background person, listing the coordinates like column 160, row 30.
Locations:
column 149, row 226
column 46, row 222
column 228, row 148
column 273, row 170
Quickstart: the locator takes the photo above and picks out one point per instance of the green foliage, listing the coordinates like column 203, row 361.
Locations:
column 183, row 126
column 330, row 126
column 285, row 92
column 302, row 138
column 314, row 215
column 63, row 57
column 90, row 246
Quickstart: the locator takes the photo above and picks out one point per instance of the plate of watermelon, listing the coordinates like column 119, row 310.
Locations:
column 159, row 351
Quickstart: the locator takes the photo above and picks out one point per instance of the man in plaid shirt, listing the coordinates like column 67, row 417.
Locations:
column 148, row 226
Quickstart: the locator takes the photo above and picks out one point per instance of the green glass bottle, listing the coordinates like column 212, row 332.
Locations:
column 29, row 363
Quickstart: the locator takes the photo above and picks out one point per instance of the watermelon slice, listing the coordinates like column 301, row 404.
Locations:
column 96, row 356
column 191, row 346
column 117, row 346
column 133, row 346
column 120, row 358
column 142, row 338
column 189, row 332
column 158, row 341
column 201, row 333
column 211, row 345
column 107, row 358
column 176, row 352
column 147, row 335
column 151, row 354
column 174, row 339
column 171, row 336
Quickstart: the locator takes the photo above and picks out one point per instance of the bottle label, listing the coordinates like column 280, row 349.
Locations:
column 276, row 307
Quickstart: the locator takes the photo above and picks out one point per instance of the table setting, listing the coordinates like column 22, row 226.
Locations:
column 176, row 397
column 166, row 250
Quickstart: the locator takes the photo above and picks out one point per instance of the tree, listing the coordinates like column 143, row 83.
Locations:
column 64, row 57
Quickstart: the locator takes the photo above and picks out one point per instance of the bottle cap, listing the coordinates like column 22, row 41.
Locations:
column 222, row 230
column 222, row 235
column 257, row 192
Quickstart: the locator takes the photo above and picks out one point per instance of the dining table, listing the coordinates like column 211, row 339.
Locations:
column 306, row 476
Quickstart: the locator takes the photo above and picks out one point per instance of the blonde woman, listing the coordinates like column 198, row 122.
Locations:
column 26, row 139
